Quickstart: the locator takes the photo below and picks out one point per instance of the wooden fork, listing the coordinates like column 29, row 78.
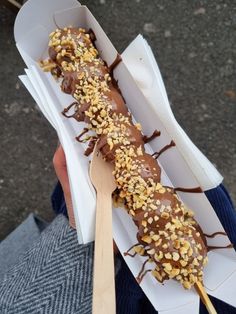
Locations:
column 103, row 277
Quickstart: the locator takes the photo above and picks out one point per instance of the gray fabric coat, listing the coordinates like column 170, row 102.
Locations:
column 54, row 275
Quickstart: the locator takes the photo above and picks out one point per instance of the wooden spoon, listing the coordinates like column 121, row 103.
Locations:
column 103, row 278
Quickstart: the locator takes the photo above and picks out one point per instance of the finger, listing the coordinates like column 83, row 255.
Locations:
column 70, row 211
column 59, row 162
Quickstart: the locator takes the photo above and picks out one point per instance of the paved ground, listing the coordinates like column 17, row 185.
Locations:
column 194, row 42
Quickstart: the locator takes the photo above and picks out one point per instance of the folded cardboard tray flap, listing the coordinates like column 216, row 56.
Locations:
column 141, row 62
column 36, row 12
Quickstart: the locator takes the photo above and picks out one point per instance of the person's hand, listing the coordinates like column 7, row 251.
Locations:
column 59, row 162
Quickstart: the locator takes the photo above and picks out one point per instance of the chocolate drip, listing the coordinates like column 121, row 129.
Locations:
column 140, row 274
column 127, row 252
column 54, row 20
column 91, row 146
column 189, row 190
column 186, row 190
column 214, row 234
column 210, row 248
column 148, row 139
column 139, row 279
column 92, row 35
column 56, row 72
column 68, row 108
column 114, row 64
column 116, row 86
column 157, row 154
column 78, row 138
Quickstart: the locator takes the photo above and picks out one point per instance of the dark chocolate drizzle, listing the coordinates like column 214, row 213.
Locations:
column 197, row 189
column 114, row 64
column 91, row 146
column 54, row 20
column 148, row 139
column 78, row 138
column 92, row 35
column 140, row 274
column 140, row 278
column 214, row 234
column 157, row 154
column 210, row 248
column 189, row 190
column 127, row 252
column 68, row 108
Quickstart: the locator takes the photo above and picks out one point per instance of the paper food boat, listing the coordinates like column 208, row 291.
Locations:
column 35, row 21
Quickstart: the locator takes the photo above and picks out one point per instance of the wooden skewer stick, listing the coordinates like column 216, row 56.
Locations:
column 15, row 3
column 204, row 297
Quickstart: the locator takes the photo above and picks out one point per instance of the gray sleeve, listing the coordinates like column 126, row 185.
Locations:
column 54, row 276
column 14, row 246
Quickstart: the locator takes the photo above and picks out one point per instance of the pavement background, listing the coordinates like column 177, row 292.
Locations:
column 194, row 42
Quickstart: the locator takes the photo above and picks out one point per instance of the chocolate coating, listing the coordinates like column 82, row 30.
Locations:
column 80, row 112
column 148, row 166
column 71, row 33
column 52, row 54
column 112, row 98
column 131, row 133
column 73, row 78
column 69, row 82
column 116, row 101
column 169, row 236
